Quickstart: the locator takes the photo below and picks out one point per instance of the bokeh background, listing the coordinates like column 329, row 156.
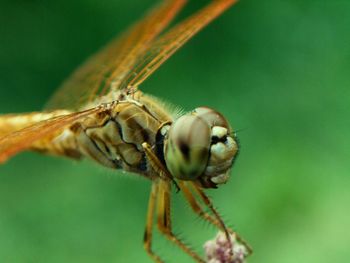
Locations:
column 279, row 71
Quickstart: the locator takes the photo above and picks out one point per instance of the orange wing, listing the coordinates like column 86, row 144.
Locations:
column 168, row 44
column 101, row 73
column 127, row 62
column 23, row 139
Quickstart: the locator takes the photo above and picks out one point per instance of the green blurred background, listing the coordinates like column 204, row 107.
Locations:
column 279, row 71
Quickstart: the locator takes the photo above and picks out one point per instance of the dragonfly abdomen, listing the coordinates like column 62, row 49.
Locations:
column 12, row 123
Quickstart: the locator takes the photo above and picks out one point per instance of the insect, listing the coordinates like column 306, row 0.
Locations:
column 101, row 113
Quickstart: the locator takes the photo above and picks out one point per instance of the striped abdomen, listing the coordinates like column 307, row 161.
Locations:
column 10, row 123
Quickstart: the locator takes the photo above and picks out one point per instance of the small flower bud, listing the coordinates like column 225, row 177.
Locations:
column 218, row 250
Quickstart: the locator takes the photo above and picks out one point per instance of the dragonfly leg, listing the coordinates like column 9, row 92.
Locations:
column 164, row 221
column 196, row 206
column 147, row 240
column 214, row 220
column 157, row 165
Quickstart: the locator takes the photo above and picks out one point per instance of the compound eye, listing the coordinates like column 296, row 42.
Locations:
column 187, row 147
column 212, row 117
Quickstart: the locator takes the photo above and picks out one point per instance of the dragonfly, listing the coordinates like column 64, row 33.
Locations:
column 100, row 113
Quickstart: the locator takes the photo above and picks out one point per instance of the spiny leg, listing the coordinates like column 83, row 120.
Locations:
column 164, row 221
column 196, row 207
column 147, row 240
column 161, row 190
column 209, row 204
column 157, row 164
column 216, row 220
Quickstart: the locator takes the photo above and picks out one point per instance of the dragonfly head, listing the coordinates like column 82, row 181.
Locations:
column 200, row 147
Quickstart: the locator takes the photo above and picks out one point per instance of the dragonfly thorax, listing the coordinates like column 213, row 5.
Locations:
column 199, row 146
column 114, row 138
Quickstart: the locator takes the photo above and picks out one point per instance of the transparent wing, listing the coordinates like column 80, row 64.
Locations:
column 23, row 139
column 168, row 44
column 100, row 74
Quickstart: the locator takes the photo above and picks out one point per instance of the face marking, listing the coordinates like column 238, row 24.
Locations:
column 185, row 150
column 219, row 131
